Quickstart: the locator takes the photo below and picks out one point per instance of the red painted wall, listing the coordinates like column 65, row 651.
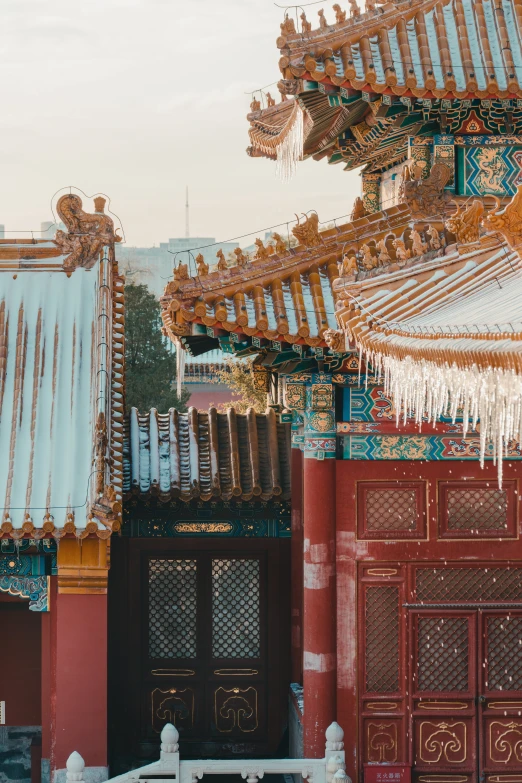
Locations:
column 79, row 679
column 350, row 551
column 20, row 664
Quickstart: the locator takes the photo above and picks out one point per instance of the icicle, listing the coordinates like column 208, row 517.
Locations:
column 290, row 150
column 423, row 389
column 180, row 366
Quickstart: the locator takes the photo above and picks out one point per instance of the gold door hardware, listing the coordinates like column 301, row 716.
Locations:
column 236, row 672
column 173, row 672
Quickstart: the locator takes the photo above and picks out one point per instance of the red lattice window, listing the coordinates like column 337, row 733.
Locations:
column 477, row 509
column 387, row 510
column 453, row 585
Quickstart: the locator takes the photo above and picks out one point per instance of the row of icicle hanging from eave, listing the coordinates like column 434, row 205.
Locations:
column 289, row 149
column 428, row 391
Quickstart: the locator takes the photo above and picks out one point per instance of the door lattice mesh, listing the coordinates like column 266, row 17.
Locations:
column 442, row 662
column 391, row 509
column 236, row 631
column 477, row 508
column 504, row 635
column 382, row 639
column 172, row 608
column 469, row 584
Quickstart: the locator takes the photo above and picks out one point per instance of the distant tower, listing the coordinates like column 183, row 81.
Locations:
column 187, row 226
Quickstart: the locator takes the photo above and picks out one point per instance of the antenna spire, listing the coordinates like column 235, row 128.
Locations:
column 187, row 226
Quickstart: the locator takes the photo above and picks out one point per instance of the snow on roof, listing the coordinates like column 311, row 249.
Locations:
column 50, row 364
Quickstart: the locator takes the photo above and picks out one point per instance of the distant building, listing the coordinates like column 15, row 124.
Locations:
column 48, row 229
column 2, row 231
column 153, row 266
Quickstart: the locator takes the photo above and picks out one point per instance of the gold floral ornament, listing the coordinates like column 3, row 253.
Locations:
column 509, row 222
column 307, row 233
column 466, row 225
column 86, row 234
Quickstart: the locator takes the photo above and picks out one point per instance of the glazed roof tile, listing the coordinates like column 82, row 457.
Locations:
column 284, row 296
column 206, row 455
column 461, row 48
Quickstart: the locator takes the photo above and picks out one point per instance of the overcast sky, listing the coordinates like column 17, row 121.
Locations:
column 138, row 98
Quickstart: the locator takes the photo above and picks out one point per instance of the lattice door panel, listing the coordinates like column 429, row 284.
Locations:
column 472, row 584
column 236, row 628
column 382, row 639
column 477, row 509
column 442, row 654
column 503, row 636
column 172, row 608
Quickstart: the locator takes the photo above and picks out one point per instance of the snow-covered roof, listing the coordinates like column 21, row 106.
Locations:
column 61, row 383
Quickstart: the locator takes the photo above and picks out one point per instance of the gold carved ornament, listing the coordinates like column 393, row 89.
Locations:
column 382, row 742
column 86, row 234
column 307, row 233
column 202, row 267
column 509, row 222
column 441, row 741
column 425, row 196
column 466, row 225
column 507, row 745
column 235, row 708
column 174, row 705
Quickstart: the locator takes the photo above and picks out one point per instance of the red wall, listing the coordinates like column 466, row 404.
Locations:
column 20, row 662
column 79, row 678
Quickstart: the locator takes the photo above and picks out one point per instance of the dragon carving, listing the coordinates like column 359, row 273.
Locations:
column 508, row 222
column 307, row 233
column 86, row 234
column 466, row 225
column 426, row 196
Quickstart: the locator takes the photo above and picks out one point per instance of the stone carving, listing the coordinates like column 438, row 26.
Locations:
column 86, row 234
column 269, row 100
column 426, row 196
column 334, row 340
column 280, row 244
column 358, row 210
column 323, row 24
column 348, row 266
column 288, row 26
column 202, row 267
column 340, row 16
column 401, row 251
column 418, row 247
column 435, row 243
column 384, row 256
column 181, row 273
column 508, row 222
column 290, row 86
column 307, row 233
column 222, row 262
column 241, row 258
column 466, row 225
column 306, row 26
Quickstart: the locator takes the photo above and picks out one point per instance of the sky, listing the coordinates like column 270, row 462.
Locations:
column 138, row 99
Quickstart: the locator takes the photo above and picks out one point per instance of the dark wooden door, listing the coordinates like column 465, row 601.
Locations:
column 466, row 695
column 208, row 646
column 205, row 666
